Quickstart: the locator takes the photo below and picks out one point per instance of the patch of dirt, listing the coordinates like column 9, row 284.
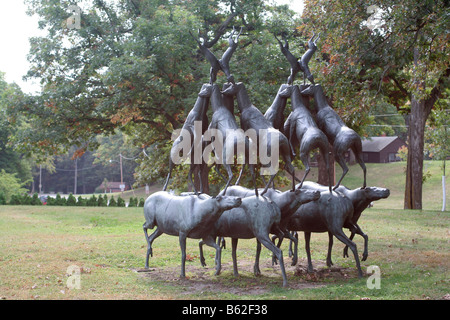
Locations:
column 202, row 279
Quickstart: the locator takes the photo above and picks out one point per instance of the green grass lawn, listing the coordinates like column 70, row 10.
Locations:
column 39, row 244
column 107, row 246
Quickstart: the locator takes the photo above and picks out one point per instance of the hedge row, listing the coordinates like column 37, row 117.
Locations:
column 93, row 201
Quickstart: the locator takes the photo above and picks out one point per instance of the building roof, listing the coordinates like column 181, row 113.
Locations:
column 376, row 144
column 112, row 185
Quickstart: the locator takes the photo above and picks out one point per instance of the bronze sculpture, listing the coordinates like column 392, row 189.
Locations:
column 302, row 64
column 188, row 216
column 361, row 198
column 197, row 113
column 254, row 218
column 275, row 113
column 288, row 202
column 302, row 131
column 232, row 138
column 266, row 134
column 306, row 207
column 222, row 64
column 339, row 135
column 330, row 213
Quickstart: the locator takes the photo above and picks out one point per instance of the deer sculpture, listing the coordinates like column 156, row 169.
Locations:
column 304, row 133
column 302, row 63
column 339, row 135
column 197, row 113
column 233, row 139
column 266, row 134
column 223, row 63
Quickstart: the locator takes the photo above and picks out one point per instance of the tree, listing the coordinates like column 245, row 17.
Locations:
column 437, row 140
column 133, row 66
column 10, row 160
column 10, row 185
column 386, row 53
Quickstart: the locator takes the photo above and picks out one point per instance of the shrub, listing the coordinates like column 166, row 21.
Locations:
column 60, row 201
column 92, row 201
column 71, row 200
column 81, row 202
column 101, row 201
column 51, row 201
column 141, row 202
column 15, row 200
column 35, row 201
column 25, row 199
column 120, row 202
column 112, row 202
column 2, row 199
column 133, row 202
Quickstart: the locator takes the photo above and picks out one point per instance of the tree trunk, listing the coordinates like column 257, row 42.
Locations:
column 322, row 169
column 420, row 110
column 204, row 172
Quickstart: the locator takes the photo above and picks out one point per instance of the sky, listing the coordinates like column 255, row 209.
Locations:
column 16, row 27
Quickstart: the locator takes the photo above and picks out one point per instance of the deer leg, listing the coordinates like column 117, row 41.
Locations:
column 265, row 240
column 182, row 240
column 363, row 167
column 268, row 184
column 338, row 233
column 341, row 161
column 357, row 150
column 240, row 175
column 210, row 242
column 150, row 240
column 234, row 242
column 230, row 177
column 330, row 246
column 171, row 165
column 357, row 230
column 256, row 270
column 202, row 257
column 304, row 157
column 308, row 251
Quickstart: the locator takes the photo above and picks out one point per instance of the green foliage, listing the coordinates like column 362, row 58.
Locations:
column 437, row 134
column 92, row 201
column 133, row 66
column 112, row 202
column 71, row 200
column 133, row 202
column 10, row 185
column 141, row 202
column 60, row 201
column 51, row 201
column 367, row 67
column 2, row 199
column 102, row 201
column 81, row 202
column 120, row 202
column 35, row 201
